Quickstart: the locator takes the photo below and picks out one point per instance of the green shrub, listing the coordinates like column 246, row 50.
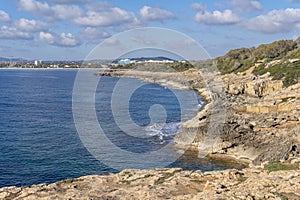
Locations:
column 278, row 166
column 289, row 73
column 240, row 60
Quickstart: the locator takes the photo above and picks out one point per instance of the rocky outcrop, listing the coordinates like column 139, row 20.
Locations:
column 261, row 121
column 178, row 80
column 250, row 183
column 251, row 86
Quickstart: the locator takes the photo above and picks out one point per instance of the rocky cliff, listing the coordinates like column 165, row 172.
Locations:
column 269, row 182
column 261, row 119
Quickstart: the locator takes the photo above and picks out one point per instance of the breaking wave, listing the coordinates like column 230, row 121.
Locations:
column 163, row 131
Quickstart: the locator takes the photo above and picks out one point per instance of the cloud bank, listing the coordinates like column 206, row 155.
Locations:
column 275, row 21
column 155, row 14
column 217, row 17
column 64, row 39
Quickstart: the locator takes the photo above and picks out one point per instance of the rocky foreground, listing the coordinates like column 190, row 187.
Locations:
column 250, row 183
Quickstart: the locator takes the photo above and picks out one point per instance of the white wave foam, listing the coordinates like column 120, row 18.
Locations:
column 163, row 130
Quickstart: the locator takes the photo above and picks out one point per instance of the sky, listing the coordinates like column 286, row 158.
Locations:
column 70, row 29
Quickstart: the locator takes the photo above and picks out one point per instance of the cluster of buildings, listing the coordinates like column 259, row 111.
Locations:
column 41, row 64
column 127, row 61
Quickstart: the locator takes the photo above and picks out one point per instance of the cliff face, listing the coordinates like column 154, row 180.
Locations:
column 262, row 120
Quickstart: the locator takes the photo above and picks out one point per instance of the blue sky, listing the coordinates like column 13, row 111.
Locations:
column 70, row 29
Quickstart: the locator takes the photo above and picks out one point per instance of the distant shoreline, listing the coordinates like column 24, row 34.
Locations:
column 8, row 68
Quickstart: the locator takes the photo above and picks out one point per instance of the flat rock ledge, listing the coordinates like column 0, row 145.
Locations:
column 174, row 183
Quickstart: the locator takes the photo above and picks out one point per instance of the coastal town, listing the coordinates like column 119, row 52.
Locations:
column 118, row 63
column 40, row 64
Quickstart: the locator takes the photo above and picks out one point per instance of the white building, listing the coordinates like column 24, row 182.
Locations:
column 37, row 62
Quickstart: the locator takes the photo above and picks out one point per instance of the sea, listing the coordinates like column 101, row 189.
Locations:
column 39, row 142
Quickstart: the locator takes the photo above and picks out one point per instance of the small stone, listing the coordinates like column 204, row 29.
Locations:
column 295, row 160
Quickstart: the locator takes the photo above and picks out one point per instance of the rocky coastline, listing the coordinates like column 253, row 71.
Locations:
column 262, row 117
column 260, row 128
column 266, row 182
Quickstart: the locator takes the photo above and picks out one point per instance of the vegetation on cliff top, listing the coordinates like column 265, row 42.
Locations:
column 158, row 67
column 281, row 59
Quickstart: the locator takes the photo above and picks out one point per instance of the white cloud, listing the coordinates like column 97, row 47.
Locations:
column 67, row 39
column 4, row 17
column 64, row 39
column 246, row 5
column 108, row 17
column 50, row 12
column 198, row 6
column 155, row 14
column 66, row 12
column 35, row 7
column 48, row 37
column 98, row 6
column 13, row 33
column 67, row 1
column 256, row 5
column 30, row 25
column 104, row 11
column 217, row 17
column 276, row 21
column 91, row 33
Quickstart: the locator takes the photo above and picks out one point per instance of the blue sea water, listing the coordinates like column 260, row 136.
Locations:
column 38, row 139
